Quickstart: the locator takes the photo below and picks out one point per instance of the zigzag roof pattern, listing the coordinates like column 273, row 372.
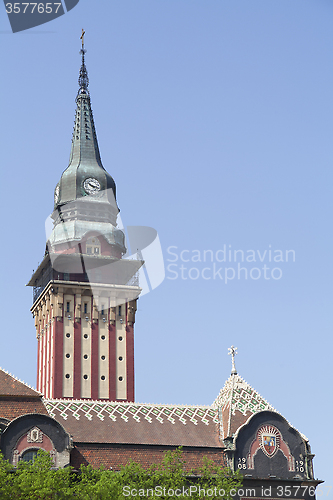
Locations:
column 241, row 396
column 134, row 423
column 138, row 411
column 236, row 402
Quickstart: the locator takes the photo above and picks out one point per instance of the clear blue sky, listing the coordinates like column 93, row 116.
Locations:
column 215, row 119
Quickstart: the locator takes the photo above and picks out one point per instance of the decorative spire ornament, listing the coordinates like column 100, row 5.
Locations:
column 233, row 351
column 82, row 38
column 83, row 76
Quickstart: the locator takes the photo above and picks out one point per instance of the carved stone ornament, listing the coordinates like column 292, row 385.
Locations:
column 35, row 435
column 15, row 457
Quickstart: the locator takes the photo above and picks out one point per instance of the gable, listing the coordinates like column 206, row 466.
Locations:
column 267, row 446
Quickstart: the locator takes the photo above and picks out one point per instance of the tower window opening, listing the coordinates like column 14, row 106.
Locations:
column 85, row 308
column 85, row 336
column 93, row 246
column 68, row 355
column 120, row 338
column 103, row 377
column 68, row 335
column 103, row 337
column 85, row 356
column 103, row 357
column 67, row 375
column 102, row 311
column 85, row 377
column 68, row 304
column 120, row 358
column 119, row 310
column 120, row 378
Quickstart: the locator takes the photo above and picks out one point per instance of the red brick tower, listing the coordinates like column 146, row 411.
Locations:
column 84, row 291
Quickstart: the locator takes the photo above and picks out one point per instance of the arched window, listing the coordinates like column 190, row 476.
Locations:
column 93, row 246
column 29, row 455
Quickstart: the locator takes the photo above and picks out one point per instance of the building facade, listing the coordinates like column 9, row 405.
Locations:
column 84, row 306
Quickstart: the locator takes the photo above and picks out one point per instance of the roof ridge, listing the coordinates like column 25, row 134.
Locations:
column 20, row 381
column 89, row 401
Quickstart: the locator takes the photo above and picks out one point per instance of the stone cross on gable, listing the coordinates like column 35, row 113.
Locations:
column 233, row 351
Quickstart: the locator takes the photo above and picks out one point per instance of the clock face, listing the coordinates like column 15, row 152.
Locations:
column 91, row 185
column 56, row 194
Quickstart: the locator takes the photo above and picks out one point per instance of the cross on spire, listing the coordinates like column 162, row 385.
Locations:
column 233, row 351
column 82, row 37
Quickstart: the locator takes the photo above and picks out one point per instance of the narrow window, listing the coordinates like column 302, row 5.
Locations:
column 85, row 308
column 102, row 310
column 119, row 310
column 93, row 246
column 68, row 307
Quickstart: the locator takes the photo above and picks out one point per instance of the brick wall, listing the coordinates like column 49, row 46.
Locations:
column 115, row 456
column 11, row 408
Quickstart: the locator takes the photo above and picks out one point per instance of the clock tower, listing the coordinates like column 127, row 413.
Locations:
column 84, row 290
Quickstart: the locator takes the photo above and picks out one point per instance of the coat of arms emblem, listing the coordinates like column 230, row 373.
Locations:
column 269, row 439
column 269, row 443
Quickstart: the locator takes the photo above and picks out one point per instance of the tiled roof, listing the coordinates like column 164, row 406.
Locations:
column 236, row 402
column 134, row 423
column 11, row 386
column 18, row 398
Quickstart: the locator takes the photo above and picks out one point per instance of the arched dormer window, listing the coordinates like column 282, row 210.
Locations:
column 93, row 246
column 29, row 455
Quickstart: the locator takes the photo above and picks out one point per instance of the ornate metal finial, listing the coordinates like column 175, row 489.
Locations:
column 233, row 351
column 83, row 76
column 82, row 37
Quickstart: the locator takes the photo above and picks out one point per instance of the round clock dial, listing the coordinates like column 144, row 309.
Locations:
column 91, row 185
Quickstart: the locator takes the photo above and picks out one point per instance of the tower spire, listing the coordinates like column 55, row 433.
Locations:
column 233, row 351
column 85, row 174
